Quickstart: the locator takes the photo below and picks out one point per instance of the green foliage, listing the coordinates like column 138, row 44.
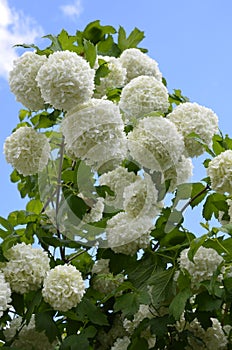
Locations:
column 66, row 192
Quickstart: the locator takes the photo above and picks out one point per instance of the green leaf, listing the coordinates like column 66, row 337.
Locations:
column 101, row 72
column 159, row 325
column 18, row 303
column 6, row 224
column 24, row 113
column 177, row 305
column 34, row 206
column 214, row 203
column 95, row 32
column 90, row 52
column 138, row 344
column 55, row 45
column 94, row 314
column 75, row 342
column 195, row 245
column 134, row 38
column 207, row 302
column 127, row 303
column 162, row 286
column 44, row 322
column 67, row 42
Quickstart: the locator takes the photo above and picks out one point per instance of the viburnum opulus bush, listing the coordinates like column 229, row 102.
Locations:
column 100, row 259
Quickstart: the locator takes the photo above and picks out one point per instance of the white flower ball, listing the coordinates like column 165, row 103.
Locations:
column 115, row 78
column 117, row 179
column 29, row 338
column 156, row 144
column 26, row 268
column 193, row 118
column 140, row 198
column 106, row 283
column 180, row 173
column 5, row 294
column 215, row 337
column 138, row 63
column 63, row 287
column 27, row 150
column 65, row 80
column 22, row 80
column 143, row 95
column 206, row 262
column 94, row 132
column 101, row 266
column 121, row 344
column 96, row 211
column 220, row 172
column 127, row 235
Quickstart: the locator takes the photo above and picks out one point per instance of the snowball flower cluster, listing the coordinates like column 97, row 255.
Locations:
column 124, row 233
column 29, row 338
column 63, row 287
column 96, row 211
column 27, row 151
column 22, row 80
column 142, row 96
column 101, row 266
column 212, row 338
column 26, row 268
column 115, row 78
column 141, row 314
column 106, row 283
column 155, row 143
column 117, row 179
column 220, row 172
column 5, row 294
column 179, row 173
column 121, row 344
column 206, row 262
column 65, row 80
column 193, row 118
column 94, row 132
column 140, row 198
column 138, row 63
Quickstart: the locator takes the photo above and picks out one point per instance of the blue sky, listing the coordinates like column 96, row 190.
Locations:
column 191, row 40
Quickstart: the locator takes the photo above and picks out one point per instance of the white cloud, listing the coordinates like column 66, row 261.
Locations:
column 72, row 10
column 15, row 28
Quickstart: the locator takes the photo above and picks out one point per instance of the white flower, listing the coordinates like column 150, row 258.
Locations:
column 140, row 198
column 206, row 262
column 117, row 179
column 29, row 338
column 193, row 118
column 27, row 151
column 127, row 235
column 101, row 266
column 155, row 143
column 211, row 338
column 143, row 95
column 63, row 287
column 65, row 80
column 138, row 63
column 115, row 78
column 26, row 268
column 220, row 172
column 22, row 80
column 215, row 337
column 96, row 211
column 94, row 132
column 141, row 314
column 5, row 294
column 179, row 173
column 106, row 282
column 121, row 344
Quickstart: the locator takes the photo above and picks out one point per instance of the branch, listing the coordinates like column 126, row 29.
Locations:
column 191, row 200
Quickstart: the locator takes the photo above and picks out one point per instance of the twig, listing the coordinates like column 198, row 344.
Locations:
column 195, row 197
